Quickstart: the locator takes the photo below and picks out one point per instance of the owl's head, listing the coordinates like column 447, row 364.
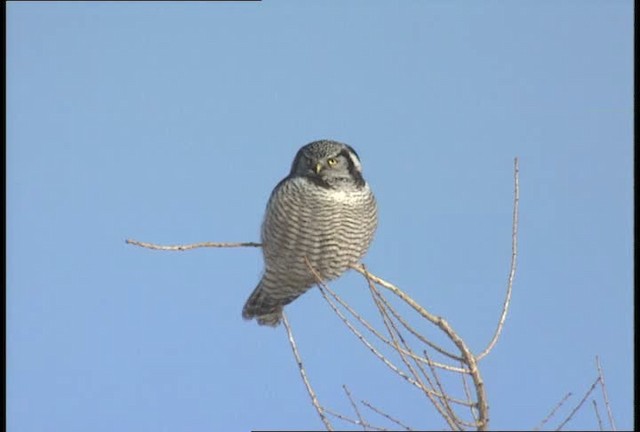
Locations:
column 328, row 164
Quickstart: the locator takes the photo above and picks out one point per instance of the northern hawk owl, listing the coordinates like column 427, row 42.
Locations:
column 323, row 212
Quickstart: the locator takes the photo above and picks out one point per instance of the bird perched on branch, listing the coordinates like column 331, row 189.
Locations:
column 323, row 215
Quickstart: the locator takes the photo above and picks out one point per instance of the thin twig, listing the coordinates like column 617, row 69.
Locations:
column 396, row 421
column 408, row 327
column 355, row 407
column 398, row 292
column 553, row 411
column 426, row 390
column 595, row 408
column 577, row 408
column 380, row 336
column 364, row 340
column 323, row 287
column 443, row 407
column 452, row 413
column 612, row 423
column 478, row 383
column 472, row 405
column 390, row 344
column 467, row 356
column 303, row 374
column 190, row 246
column 393, row 332
column 352, row 421
column 512, row 269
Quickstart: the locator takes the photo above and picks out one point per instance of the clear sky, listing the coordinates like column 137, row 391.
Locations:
column 171, row 123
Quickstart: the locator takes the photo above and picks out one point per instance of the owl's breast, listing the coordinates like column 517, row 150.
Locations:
column 332, row 229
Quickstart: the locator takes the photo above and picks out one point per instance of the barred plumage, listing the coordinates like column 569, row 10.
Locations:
column 324, row 211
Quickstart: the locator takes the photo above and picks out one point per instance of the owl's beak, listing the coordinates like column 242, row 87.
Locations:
column 318, row 168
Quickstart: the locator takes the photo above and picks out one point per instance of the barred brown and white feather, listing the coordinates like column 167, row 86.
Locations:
column 323, row 211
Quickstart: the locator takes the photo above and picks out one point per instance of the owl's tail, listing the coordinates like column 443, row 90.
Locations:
column 263, row 307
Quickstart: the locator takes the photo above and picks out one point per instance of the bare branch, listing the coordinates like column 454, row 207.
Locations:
column 352, row 421
column 323, row 287
column 467, row 356
column 472, row 406
column 470, row 360
column 364, row 340
column 343, row 417
column 428, row 391
column 303, row 374
column 577, row 408
column 446, row 399
column 398, row 292
column 443, row 407
column 595, row 408
column 396, row 421
column 406, row 324
column 369, row 327
column 514, row 255
column 355, row 407
column 612, row 423
column 411, row 330
column 553, row 411
column 190, row 246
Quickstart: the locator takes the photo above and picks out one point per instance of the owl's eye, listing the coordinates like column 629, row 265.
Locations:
column 332, row 161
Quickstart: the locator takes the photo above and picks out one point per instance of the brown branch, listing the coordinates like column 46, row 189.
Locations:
column 387, row 416
column 398, row 292
column 362, row 321
column 443, row 407
column 440, row 387
column 595, row 408
column 393, row 332
column 612, row 423
column 410, row 353
column 553, row 411
column 467, row 356
column 411, row 329
column 303, row 374
column 470, row 360
column 577, row 408
column 352, row 421
column 467, row 393
column 190, row 246
column 369, row 327
column 355, row 407
column 424, row 340
column 512, row 269
column 364, row 340
column 323, row 291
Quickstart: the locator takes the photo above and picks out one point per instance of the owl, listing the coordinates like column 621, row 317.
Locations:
column 323, row 212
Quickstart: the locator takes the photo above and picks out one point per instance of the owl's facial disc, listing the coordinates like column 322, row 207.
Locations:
column 330, row 167
column 328, row 164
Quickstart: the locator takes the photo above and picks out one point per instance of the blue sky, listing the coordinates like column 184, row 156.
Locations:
column 172, row 122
